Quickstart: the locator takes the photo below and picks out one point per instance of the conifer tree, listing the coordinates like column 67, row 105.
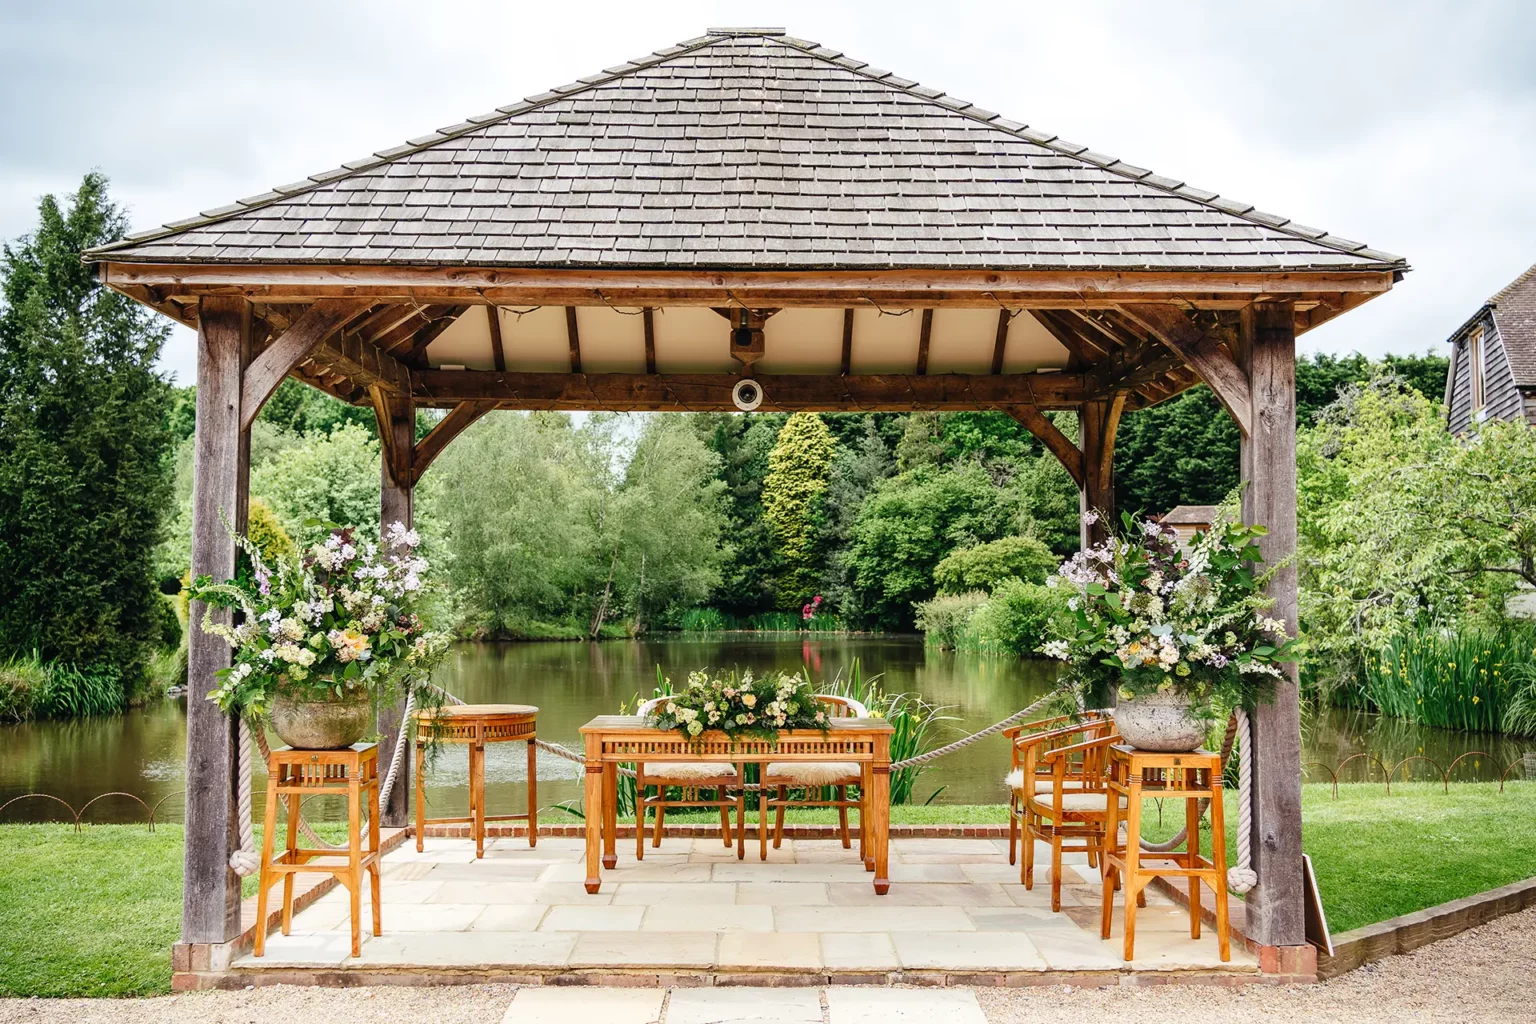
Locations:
column 798, row 468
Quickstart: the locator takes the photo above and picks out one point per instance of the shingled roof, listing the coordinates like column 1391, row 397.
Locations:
column 1514, row 316
column 747, row 149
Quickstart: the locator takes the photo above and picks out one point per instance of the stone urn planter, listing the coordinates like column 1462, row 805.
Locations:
column 329, row 723
column 1160, row 722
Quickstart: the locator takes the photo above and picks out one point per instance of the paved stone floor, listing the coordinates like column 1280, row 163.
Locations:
column 954, row 905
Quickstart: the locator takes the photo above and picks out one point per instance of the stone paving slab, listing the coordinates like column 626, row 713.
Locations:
column 956, row 907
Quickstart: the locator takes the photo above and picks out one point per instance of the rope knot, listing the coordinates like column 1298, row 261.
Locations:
column 1240, row 879
column 244, row 862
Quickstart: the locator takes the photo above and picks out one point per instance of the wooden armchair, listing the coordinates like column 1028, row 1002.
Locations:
column 1076, row 806
column 812, row 776
column 1058, row 731
column 694, row 779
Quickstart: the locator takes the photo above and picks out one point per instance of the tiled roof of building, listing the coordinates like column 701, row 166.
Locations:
column 748, row 149
column 1190, row 515
column 1514, row 315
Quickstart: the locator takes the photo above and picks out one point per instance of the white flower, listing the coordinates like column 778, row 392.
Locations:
column 1057, row 649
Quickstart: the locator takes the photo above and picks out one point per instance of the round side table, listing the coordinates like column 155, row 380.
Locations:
column 477, row 725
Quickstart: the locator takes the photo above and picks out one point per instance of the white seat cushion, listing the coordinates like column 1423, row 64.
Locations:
column 1077, row 803
column 689, row 770
column 812, row 773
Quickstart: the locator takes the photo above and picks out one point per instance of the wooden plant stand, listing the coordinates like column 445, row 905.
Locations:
column 477, row 725
column 294, row 775
column 1191, row 777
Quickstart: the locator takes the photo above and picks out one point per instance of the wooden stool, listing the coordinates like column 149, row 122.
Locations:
column 1190, row 777
column 295, row 774
column 477, row 725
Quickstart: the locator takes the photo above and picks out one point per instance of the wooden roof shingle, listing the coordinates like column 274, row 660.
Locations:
column 747, row 149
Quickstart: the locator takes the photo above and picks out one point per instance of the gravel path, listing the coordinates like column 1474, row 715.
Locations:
column 1483, row 975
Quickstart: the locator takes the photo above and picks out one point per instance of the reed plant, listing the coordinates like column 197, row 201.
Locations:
column 703, row 620
column 1466, row 679
column 32, row 688
column 914, row 723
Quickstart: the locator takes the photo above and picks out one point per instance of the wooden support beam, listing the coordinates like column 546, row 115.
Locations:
column 416, row 354
column 397, row 504
column 976, row 289
column 1057, row 443
column 650, row 340
column 211, row 904
column 1000, row 343
column 1174, row 328
column 1098, row 422
column 1085, row 351
column 574, row 337
column 1267, row 351
column 706, row 392
column 267, row 371
column 447, row 428
column 498, row 354
column 925, row 334
column 363, row 364
column 847, row 360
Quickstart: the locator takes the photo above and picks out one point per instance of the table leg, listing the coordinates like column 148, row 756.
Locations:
column 1219, row 862
column 593, row 801
column 741, row 812
column 533, row 794
column 880, row 824
column 421, row 793
column 354, row 859
column 264, row 880
column 477, row 786
column 1132, row 865
column 611, row 816
column 292, row 847
column 373, row 848
column 1192, row 862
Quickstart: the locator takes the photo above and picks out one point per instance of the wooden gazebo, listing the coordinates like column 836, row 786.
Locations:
column 743, row 204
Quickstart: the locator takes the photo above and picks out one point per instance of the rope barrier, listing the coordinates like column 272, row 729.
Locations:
column 1242, row 877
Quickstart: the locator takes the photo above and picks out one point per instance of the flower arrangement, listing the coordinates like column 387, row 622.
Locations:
column 742, row 705
column 1151, row 618
column 342, row 618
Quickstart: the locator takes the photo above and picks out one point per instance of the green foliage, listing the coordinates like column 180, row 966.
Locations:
column 914, row 725
column 798, row 469
column 702, row 620
column 300, row 409
column 984, row 566
column 1469, row 679
column 83, row 447
column 742, row 443
column 908, row 525
column 21, row 680
column 1016, row 619
column 267, row 534
column 32, row 688
column 863, row 460
column 330, row 478
column 945, row 620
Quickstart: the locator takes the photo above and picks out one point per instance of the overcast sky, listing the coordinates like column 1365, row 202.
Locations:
column 1407, row 125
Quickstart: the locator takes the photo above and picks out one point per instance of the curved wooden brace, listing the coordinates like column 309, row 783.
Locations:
column 1174, row 329
column 1057, row 443
column 448, row 428
column 324, row 318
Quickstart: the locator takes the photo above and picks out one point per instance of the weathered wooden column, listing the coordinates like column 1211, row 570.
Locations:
column 397, row 440
column 211, row 891
column 1098, row 420
column 1267, row 354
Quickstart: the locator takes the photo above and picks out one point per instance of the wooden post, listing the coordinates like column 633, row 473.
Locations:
column 210, row 910
column 1276, row 907
column 397, row 446
column 1098, row 420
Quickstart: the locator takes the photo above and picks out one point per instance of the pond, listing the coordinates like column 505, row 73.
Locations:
column 142, row 752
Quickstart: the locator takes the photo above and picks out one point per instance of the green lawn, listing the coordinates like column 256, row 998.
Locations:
column 96, row 913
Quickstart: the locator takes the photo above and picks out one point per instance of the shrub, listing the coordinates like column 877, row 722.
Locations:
column 1017, row 617
column 21, row 680
column 985, row 566
column 946, row 619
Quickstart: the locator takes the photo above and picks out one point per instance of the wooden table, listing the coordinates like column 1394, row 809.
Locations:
column 293, row 775
column 477, row 725
column 1136, row 774
column 612, row 740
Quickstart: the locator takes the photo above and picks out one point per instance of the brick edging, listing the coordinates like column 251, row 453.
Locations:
column 708, row 831
column 1408, row 932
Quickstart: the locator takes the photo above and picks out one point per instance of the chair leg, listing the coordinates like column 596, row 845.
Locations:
column 1013, row 837
column 725, row 817
column 639, row 822
column 763, row 800
column 1056, row 871
column 1027, row 868
column 842, row 815
column 778, row 817
column 661, row 810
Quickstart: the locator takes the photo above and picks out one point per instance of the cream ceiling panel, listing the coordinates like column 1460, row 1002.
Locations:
column 692, row 339
column 536, row 340
column 1031, row 347
column 885, row 342
column 612, row 340
column 803, row 341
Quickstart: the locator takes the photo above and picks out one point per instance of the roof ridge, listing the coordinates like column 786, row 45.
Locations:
column 1509, row 289
column 1177, row 187
column 1174, row 186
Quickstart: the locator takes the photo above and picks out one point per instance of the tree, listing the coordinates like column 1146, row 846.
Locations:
column 863, row 460
column 984, row 566
column 84, row 449
column 798, row 468
column 743, row 443
column 907, row 526
column 329, row 478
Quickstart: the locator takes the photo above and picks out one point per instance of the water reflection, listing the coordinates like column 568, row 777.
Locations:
column 142, row 752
